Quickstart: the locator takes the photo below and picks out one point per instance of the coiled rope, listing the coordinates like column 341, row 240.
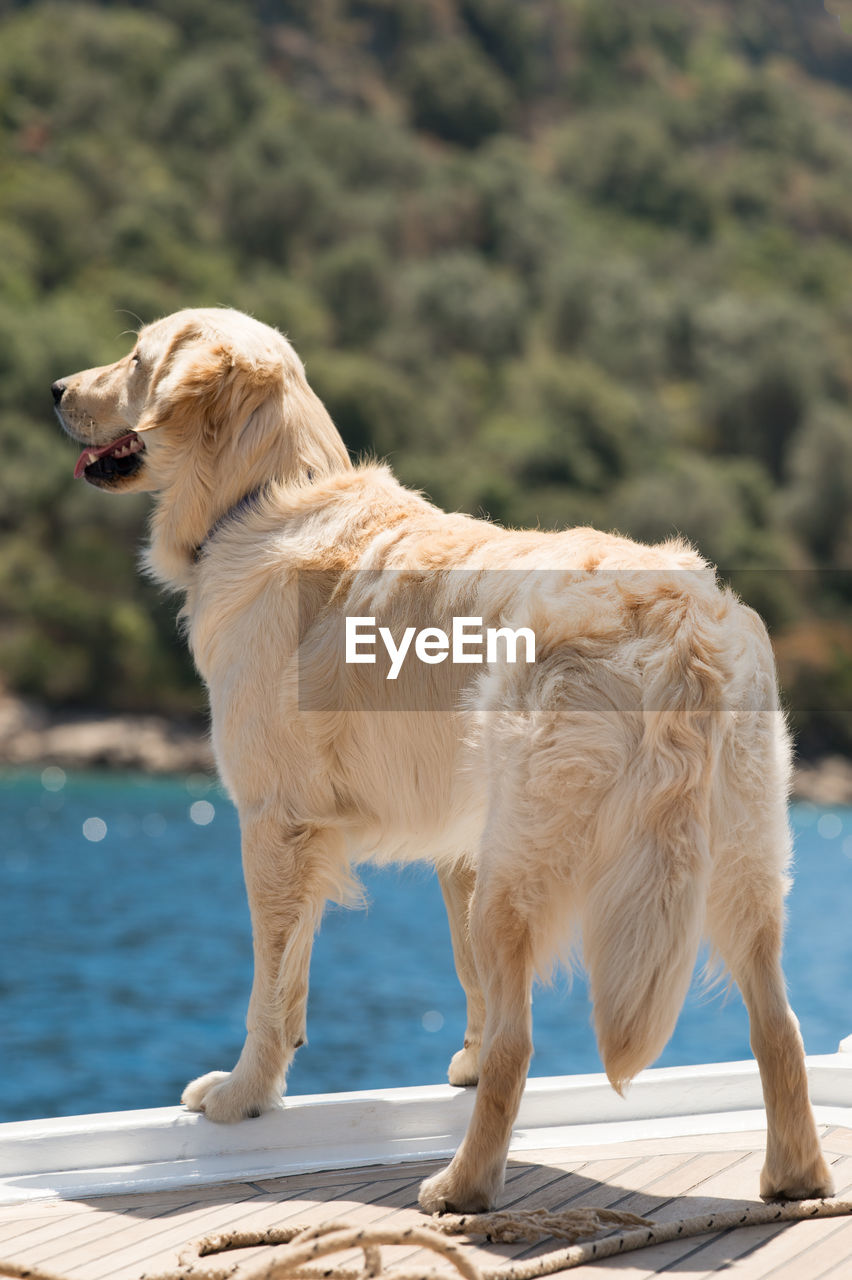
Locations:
column 304, row 1247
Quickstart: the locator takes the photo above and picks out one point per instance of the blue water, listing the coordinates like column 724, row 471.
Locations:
column 125, row 957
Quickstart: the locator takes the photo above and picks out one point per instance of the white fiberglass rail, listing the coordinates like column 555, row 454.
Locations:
column 135, row 1151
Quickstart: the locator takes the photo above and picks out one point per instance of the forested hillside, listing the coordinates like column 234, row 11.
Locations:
column 559, row 260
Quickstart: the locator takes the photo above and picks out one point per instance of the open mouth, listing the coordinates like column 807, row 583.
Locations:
column 112, row 461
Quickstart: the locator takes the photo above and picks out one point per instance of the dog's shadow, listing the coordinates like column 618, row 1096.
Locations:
column 386, row 1196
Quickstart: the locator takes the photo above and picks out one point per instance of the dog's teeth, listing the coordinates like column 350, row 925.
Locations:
column 93, row 457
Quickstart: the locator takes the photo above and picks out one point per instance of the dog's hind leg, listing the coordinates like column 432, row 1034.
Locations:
column 502, row 946
column 457, row 883
column 745, row 923
column 289, row 881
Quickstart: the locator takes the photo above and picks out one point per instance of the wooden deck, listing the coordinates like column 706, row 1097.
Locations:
column 124, row 1238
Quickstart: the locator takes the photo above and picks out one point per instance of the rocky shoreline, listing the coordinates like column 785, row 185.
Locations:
column 825, row 782
column 32, row 737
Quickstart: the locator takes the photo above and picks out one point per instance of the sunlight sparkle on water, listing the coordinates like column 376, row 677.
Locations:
column 830, row 826
column 202, row 813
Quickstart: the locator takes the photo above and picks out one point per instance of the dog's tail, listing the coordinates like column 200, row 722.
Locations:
column 643, row 913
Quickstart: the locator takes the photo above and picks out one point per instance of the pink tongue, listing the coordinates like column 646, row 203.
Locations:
column 90, row 455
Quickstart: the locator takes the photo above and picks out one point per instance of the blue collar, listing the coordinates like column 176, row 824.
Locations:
column 248, row 502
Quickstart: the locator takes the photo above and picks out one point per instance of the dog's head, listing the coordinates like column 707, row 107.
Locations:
column 207, row 406
column 190, row 385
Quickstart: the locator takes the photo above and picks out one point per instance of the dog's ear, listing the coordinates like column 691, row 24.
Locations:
column 208, row 390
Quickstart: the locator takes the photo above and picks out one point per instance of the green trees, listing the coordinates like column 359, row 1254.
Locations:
column 819, row 497
column 455, row 93
column 561, row 261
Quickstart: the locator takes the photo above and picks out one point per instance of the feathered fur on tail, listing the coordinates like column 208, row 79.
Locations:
column 644, row 910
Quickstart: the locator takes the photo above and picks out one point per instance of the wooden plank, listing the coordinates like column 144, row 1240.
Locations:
column 215, row 1208
column 369, row 1173
column 647, row 1185
column 745, row 1247
column 838, row 1272
column 382, row 1205
column 112, row 1230
column 706, row 1255
column 675, row 1192
column 539, row 1189
column 839, row 1141
column 138, row 1248
column 119, row 1237
column 69, row 1216
column 542, row 1184
column 592, row 1186
column 684, row 1144
column 734, row 1184
column 60, row 1229
column 14, row 1230
column 351, row 1203
column 173, row 1197
column 819, row 1246
column 597, row 1183
column 373, row 1203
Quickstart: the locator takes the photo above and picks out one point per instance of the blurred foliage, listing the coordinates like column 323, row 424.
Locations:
column 561, row 261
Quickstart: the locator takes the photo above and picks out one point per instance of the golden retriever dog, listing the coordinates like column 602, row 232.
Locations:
column 626, row 789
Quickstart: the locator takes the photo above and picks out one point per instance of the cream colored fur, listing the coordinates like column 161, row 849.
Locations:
column 629, row 788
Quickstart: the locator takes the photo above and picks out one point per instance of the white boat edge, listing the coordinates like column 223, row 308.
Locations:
column 167, row 1148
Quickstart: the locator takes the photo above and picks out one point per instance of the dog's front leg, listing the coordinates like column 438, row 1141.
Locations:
column 288, row 879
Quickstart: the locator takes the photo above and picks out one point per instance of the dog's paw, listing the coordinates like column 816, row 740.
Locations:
column 815, row 1183
column 225, row 1099
column 464, row 1067
column 450, row 1192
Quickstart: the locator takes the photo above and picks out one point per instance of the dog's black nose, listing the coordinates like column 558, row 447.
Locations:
column 58, row 390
